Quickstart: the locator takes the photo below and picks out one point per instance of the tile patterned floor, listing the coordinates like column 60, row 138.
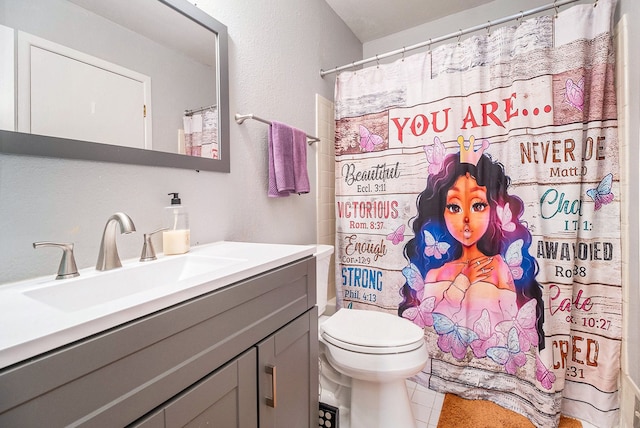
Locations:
column 426, row 405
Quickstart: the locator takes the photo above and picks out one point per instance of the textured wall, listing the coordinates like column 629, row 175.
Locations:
column 276, row 50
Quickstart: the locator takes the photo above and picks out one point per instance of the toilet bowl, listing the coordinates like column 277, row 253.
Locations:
column 378, row 351
column 365, row 359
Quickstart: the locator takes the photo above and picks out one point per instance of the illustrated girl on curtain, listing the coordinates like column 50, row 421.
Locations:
column 470, row 275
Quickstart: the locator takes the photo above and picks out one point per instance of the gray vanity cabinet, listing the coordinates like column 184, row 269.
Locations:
column 225, row 398
column 199, row 363
column 282, row 363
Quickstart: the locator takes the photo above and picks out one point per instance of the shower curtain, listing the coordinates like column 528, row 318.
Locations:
column 477, row 195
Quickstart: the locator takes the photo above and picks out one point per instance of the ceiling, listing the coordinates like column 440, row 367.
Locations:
column 373, row 19
column 158, row 23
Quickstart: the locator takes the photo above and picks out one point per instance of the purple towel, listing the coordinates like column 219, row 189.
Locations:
column 287, row 161
column 300, row 173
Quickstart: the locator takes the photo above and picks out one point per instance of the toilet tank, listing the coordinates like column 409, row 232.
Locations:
column 323, row 259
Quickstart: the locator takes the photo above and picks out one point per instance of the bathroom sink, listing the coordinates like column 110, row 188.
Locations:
column 45, row 313
column 102, row 287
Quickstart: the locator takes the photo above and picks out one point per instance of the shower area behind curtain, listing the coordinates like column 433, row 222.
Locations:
column 477, row 195
column 200, row 131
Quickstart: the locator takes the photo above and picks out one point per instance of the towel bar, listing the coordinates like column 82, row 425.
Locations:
column 240, row 118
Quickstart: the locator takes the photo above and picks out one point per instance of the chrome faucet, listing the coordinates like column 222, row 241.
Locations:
column 108, row 258
column 67, row 268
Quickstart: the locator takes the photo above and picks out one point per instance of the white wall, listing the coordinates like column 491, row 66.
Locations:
column 630, row 377
column 326, row 185
column 276, row 50
column 631, row 313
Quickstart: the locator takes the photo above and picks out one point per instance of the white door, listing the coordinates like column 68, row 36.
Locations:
column 7, row 79
column 77, row 96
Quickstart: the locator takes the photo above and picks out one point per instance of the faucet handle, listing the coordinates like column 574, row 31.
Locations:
column 148, row 252
column 67, row 268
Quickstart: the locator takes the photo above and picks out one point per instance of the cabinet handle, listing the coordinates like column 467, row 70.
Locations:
column 271, row 402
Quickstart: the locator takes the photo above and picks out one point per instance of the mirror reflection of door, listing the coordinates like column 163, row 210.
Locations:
column 177, row 45
column 74, row 95
column 7, row 80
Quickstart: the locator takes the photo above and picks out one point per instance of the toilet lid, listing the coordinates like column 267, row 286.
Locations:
column 372, row 332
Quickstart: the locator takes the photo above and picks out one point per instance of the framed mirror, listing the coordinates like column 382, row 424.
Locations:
column 138, row 82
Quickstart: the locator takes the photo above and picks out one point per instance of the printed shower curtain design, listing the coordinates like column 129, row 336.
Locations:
column 477, row 193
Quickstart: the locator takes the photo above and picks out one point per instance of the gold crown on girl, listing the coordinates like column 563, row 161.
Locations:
column 469, row 154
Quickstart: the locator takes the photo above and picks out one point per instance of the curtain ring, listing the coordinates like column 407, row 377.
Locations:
column 521, row 17
column 403, row 49
column 555, row 7
column 595, row 3
column 377, row 61
column 489, row 28
column 429, row 45
column 459, row 35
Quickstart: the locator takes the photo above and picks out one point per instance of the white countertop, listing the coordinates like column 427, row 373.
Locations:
column 31, row 327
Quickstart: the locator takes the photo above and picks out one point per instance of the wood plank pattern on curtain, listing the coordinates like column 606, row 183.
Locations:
column 477, row 195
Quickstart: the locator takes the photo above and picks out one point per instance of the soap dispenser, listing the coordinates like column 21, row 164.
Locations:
column 176, row 239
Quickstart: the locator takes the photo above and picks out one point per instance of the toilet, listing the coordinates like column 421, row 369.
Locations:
column 365, row 358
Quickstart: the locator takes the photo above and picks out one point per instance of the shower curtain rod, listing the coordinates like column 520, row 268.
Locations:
column 197, row 110
column 240, row 118
column 555, row 5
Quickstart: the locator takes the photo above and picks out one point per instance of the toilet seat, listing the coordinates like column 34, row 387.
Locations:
column 372, row 349
column 371, row 332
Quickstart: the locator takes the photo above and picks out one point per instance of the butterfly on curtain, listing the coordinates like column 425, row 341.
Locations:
column 452, row 338
column 524, row 323
column 487, row 338
column 574, row 93
column 421, row 315
column 544, row 375
column 513, row 258
column 368, row 140
column 510, row 356
column 506, row 218
column 602, row 195
column 434, row 248
column 435, row 155
column 414, row 279
column 397, row 236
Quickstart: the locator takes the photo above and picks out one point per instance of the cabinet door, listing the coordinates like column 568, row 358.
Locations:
column 288, row 375
column 225, row 399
